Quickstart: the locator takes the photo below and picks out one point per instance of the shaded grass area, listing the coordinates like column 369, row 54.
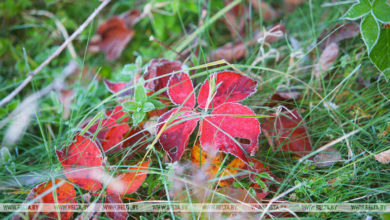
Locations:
column 27, row 40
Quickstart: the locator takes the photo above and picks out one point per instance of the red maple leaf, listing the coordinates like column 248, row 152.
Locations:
column 64, row 191
column 229, row 128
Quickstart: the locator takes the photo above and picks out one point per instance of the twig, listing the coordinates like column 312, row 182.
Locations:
column 55, row 54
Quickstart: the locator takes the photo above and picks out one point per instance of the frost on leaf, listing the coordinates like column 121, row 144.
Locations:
column 181, row 90
column 130, row 181
column 113, row 38
column 176, row 134
column 287, row 132
column 115, row 199
column 82, row 162
column 231, row 87
column 231, row 129
column 157, row 73
column 64, row 192
column 115, row 87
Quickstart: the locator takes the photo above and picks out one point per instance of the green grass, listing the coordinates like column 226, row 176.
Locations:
column 26, row 40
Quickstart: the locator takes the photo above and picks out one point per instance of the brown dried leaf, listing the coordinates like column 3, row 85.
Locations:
column 292, row 4
column 285, row 98
column 229, row 52
column 267, row 12
column 343, row 32
column 235, row 18
column 113, row 38
column 327, row 58
column 383, row 157
column 131, row 17
column 233, row 52
column 327, row 157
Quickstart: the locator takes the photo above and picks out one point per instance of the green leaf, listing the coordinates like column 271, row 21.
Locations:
column 381, row 10
column 370, row 31
column 138, row 62
column 132, row 106
column 127, row 73
column 138, row 117
column 157, row 104
column 358, row 10
column 140, row 92
column 147, row 107
column 379, row 55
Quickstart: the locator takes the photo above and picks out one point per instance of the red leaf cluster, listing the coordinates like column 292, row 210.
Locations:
column 223, row 129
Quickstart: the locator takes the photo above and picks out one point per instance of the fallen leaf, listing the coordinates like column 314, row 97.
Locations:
column 383, row 157
column 65, row 193
column 268, row 13
column 235, row 51
column 286, row 131
column 181, row 90
column 292, row 4
column 327, row 157
column 210, row 162
column 235, row 19
column 82, row 162
column 158, row 72
column 113, row 38
column 223, row 130
column 327, row 59
column 115, row 87
column 175, row 137
column 131, row 17
column 233, row 168
column 338, row 33
column 233, row 87
column 116, row 201
column 129, row 182
column 229, row 52
column 285, row 98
